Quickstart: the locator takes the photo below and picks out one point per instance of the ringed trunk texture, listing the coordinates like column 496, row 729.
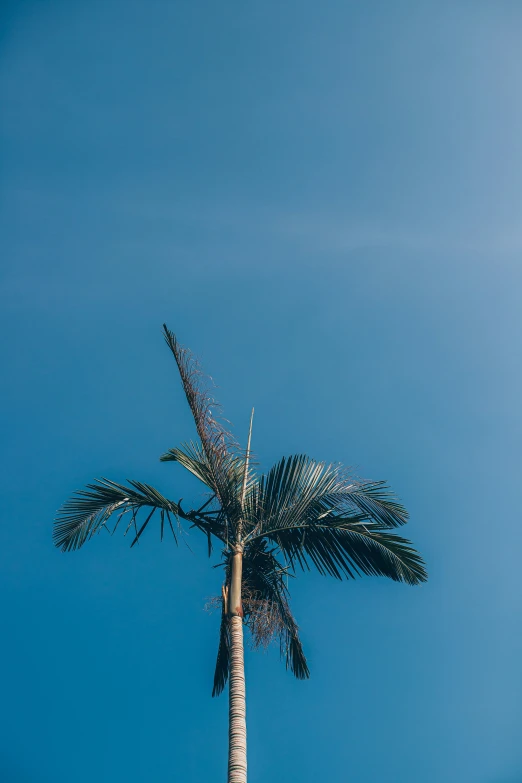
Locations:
column 237, row 758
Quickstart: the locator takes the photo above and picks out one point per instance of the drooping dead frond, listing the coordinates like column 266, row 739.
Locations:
column 264, row 621
column 263, row 617
column 267, row 611
column 213, row 604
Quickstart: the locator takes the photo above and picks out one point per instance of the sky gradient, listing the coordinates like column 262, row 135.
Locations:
column 324, row 202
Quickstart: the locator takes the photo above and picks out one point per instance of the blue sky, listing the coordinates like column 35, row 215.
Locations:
column 324, row 202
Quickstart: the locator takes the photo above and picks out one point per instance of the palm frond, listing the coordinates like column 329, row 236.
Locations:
column 216, row 440
column 223, row 656
column 376, row 501
column 219, row 447
column 267, row 610
column 317, row 515
column 300, row 489
column 89, row 510
column 341, row 547
column 198, row 387
column 192, row 457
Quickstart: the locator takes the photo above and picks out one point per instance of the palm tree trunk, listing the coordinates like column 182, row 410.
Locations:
column 237, row 759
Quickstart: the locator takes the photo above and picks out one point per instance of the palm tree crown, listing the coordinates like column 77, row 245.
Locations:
column 299, row 515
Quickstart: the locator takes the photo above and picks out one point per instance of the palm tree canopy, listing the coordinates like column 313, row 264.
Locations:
column 301, row 514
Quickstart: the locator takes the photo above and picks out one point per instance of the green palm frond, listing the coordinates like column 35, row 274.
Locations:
column 376, row 501
column 192, row 457
column 302, row 514
column 341, row 547
column 317, row 515
column 223, row 656
column 293, row 489
column 89, row 510
column 300, row 489
column 381, row 553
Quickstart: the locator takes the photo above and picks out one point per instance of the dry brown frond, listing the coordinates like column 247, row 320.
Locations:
column 213, row 604
column 262, row 617
column 265, row 622
column 198, row 388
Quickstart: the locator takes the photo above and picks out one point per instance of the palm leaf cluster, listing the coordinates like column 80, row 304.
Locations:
column 301, row 514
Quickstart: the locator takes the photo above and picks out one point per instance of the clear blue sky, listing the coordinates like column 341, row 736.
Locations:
column 324, row 201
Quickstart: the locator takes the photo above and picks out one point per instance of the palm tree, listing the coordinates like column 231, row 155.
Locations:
column 302, row 513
